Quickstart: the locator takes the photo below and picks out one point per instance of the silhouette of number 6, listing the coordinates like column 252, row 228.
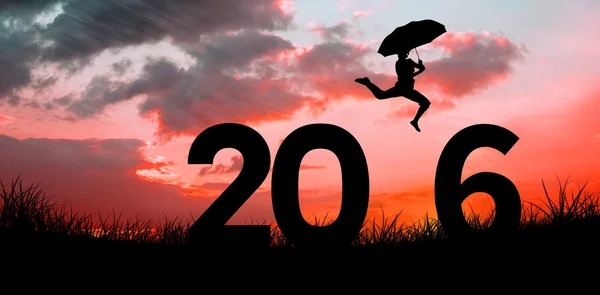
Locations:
column 450, row 193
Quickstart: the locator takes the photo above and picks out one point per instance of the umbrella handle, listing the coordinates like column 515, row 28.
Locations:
column 417, row 53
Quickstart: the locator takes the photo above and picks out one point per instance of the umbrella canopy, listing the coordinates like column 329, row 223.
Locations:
column 412, row 35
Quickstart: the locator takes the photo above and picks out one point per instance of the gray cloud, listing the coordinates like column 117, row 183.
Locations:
column 333, row 33
column 121, row 66
column 89, row 26
column 474, row 62
column 237, row 162
column 207, row 92
column 237, row 77
column 18, row 49
column 24, row 10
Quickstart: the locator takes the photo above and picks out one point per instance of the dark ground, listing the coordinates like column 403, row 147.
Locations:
column 573, row 247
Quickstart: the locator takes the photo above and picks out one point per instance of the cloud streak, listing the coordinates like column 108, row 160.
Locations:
column 96, row 175
column 237, row 162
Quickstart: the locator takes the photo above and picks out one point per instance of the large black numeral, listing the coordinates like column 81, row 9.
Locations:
column 355, row 186
column 450, row 193
column 257, row 161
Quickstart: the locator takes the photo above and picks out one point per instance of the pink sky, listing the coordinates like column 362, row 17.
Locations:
column 102, row 140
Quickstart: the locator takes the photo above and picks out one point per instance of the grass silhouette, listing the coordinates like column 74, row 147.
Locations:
column 36, row 231
column 28, row 210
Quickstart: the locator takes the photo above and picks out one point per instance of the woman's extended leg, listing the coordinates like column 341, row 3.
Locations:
column 424, row 104
column 377, row 92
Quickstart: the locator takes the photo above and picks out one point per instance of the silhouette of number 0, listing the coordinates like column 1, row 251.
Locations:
column 355, row 186
column 450, row 193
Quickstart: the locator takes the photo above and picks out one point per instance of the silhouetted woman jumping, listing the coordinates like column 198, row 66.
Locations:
column 405, row 69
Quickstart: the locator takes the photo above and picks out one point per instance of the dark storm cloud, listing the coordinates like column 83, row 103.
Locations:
column 208, row 92
column 17, row 50
column 25, row 9
column 89, row 26
column 175, row 88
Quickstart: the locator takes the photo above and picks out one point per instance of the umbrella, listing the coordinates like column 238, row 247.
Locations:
column 412, row 35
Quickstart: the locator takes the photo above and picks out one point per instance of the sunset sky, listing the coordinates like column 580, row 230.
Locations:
column 101, row 99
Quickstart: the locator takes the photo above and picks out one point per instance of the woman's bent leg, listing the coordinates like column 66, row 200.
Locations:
column 424, row 104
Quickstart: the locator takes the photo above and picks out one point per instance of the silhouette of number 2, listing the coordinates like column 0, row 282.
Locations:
column 257, row 163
